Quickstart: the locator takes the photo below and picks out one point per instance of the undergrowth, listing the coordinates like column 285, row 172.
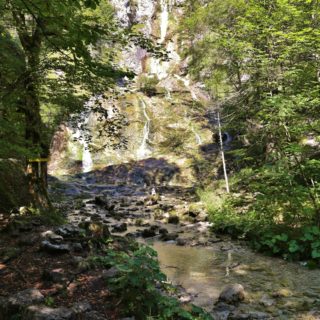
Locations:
column 270, row 208
column 141, row 288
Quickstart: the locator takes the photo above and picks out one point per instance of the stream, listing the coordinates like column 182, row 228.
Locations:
column 189, row 254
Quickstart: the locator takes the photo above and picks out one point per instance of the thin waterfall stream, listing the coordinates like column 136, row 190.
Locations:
column 197, row 136
column 86, row 158
column 164, row 20
column 143, row 150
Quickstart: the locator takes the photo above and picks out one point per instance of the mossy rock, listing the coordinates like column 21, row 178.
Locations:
column 14, row 190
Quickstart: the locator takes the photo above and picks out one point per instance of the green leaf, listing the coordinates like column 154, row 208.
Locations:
column 293, row 246
column 315, row 254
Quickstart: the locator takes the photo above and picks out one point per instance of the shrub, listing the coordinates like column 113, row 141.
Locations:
column 141, row 287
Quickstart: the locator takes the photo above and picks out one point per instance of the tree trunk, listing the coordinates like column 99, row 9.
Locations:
column 37, row 166
column 31, row 37
column 222, row 155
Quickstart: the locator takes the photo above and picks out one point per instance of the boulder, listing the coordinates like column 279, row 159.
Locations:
column 120, row 227
column 233, row 293
column 282, row 293
column 148, row 233
column 267, row 301
column 46, row 313
column 94, row 315
column 56, row 275
column 26, row 298
column 251, row 315
column 163, row 231
column 69, row 230
column 51, row 236
column 49, row 247
column 14, row 186
column 169, row 236
column 222, row 310
column 81, row 307
column 173, row 219
column 77, row 247
column 181, row 242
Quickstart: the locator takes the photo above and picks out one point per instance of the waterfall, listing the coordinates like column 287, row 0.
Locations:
column 86, row 158
column 198, row 138
column 143, row 150
column 186, row 82
column 164, row 18
column 80, row 135
column 86, row 154
column 168, row 94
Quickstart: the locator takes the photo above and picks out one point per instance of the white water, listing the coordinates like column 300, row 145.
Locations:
column 168, row 95
column 186, row 82
column 86, row 154
column 80, row 135
column 198, row 138
column 143, row 150
column 160, row 68
column 86, row 158
column 164, row 18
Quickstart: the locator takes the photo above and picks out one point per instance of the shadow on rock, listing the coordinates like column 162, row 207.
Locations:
column 148, row 172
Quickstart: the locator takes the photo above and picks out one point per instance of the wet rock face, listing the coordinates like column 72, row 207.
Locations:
column 232, row 294
column 157, row 19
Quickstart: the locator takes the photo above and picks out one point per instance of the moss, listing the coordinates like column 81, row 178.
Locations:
column 13, row 186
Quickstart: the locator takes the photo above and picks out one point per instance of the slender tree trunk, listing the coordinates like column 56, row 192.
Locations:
column 222, row 154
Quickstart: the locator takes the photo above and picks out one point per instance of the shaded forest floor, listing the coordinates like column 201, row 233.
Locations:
column 57, row 272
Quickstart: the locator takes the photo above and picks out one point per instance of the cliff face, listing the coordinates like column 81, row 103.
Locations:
column 164, row 110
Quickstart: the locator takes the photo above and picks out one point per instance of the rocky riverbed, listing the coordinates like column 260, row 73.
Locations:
column 44, row 270
column 222, row 276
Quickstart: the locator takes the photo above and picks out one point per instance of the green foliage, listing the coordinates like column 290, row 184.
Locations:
column 175, row 140
column 272, row 221
column 257, row 58
column 303, row 243
column 148, row 85
column 51, row 217
column 54, row 57
column 49, row 301
column 141, row 286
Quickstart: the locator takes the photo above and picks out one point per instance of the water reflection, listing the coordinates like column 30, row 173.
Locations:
column 203, row 272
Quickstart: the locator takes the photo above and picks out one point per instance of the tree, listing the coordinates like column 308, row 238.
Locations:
column 65, row 51
column 260, row 60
